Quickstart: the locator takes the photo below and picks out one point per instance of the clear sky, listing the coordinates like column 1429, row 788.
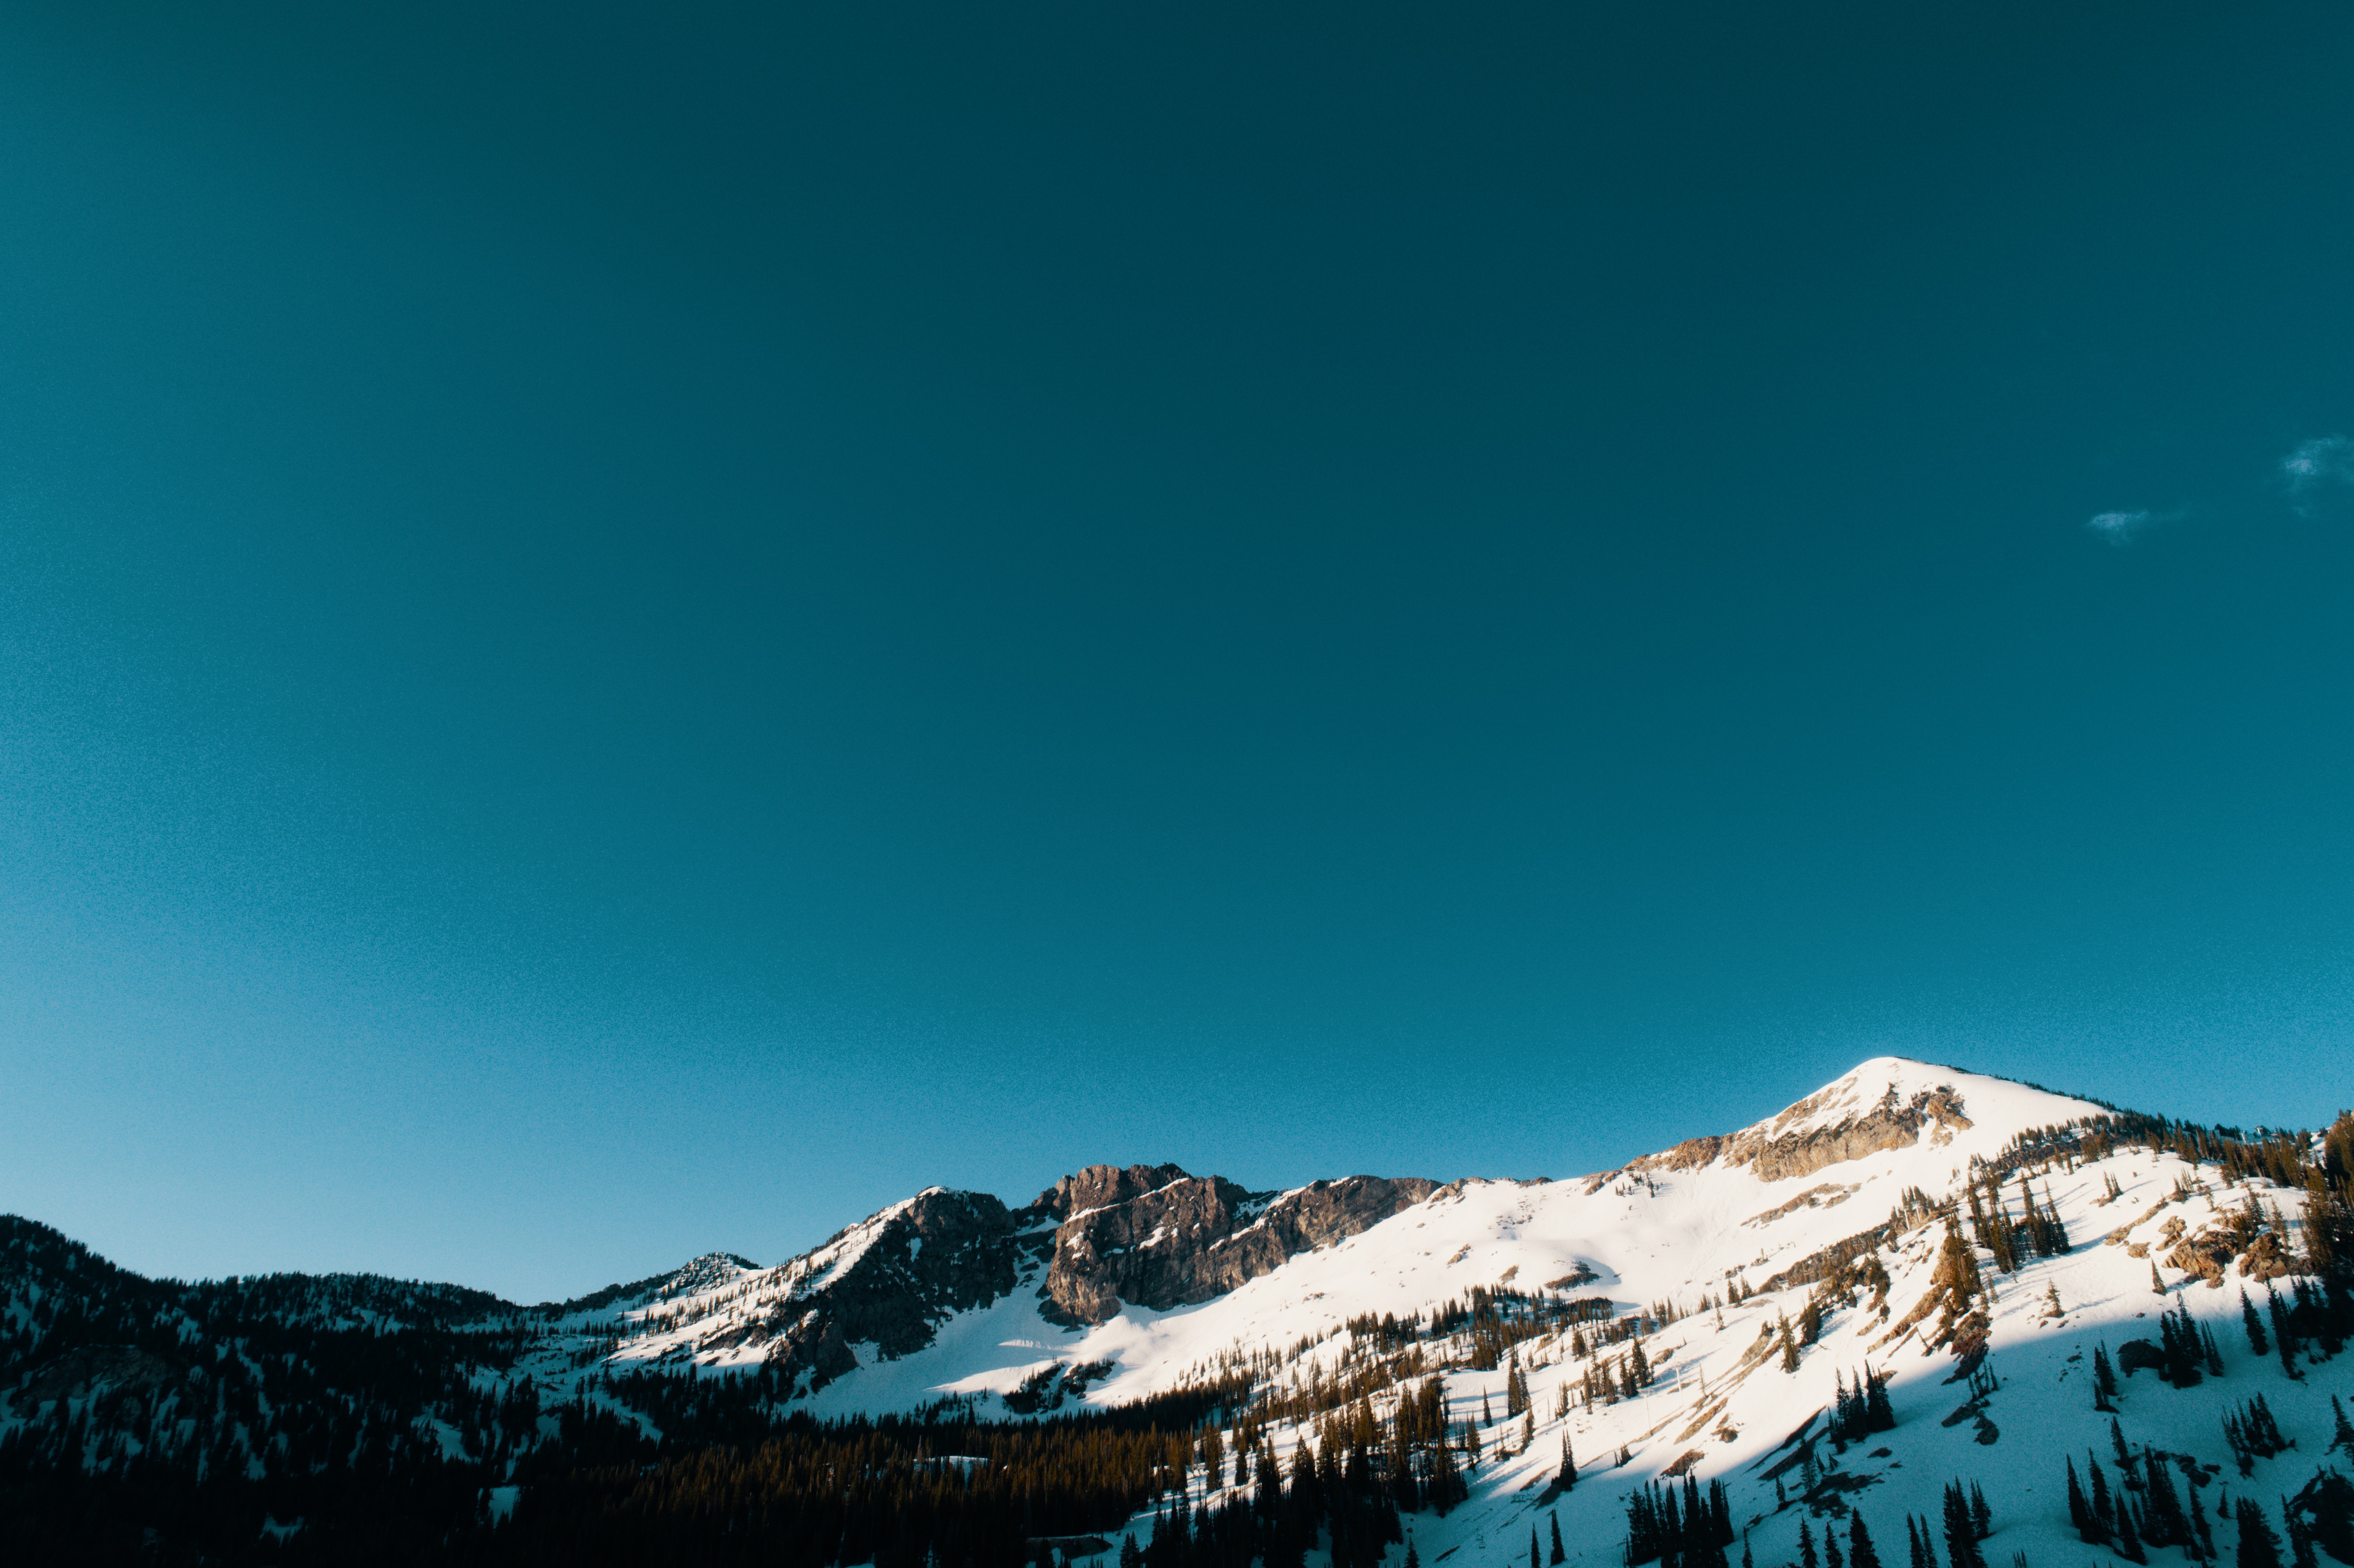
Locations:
column 632, row 631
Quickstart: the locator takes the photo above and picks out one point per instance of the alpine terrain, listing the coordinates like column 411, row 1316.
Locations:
column 1920, row 1317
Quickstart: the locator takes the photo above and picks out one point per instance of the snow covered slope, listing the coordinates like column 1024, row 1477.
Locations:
column 1974, row 1247
column 1706, row 1251
column 1666, row 1228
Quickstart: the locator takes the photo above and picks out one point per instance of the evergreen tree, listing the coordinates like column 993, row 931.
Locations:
column 1831, row 1548
column 1559, row 1555
column 1860, row 1553
column 2259, row 1547
column 1879, row 1416
column 2167, row 1525
column 1961, row 1535
column 1806, row 1545
column 1981, row 1516
column 2128, row 1543
column 2104, row 1518
column 1535, row 1560
column 1568, row 1476
column 2252, row 1324
column 2080, row 1512
column 2300, row 1539
column 2284, row 1335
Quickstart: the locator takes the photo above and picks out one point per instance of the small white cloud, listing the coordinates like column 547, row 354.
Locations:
column 2118, row 528
column 2325, row 459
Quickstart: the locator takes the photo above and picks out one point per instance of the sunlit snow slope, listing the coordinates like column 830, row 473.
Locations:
column 1875, row 1155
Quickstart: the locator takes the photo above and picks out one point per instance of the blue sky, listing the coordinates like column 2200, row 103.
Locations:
column 626, row 632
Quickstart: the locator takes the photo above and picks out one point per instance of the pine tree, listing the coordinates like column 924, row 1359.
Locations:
column 1789, row 1348
column 1806, row 1545
column 1831, row 1548
column 1559, row 1556
column 2128, row 1543
column 2169, row 1527
column 1981, row 1516
column 2080, row 1512
column 2117, row 1441
column 1860, row 1553
column 1413, row 1558
column 2104, row 1518
column 1879, row 1416
column 1569, row 1476
column 2344, row 1435
column 1961, row 1535
column 2254, row 1324
column 2259, row 1547
column 2300, row 1539
column 1535, row 1560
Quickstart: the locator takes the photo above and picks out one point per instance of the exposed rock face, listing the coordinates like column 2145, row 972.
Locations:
column 1149, row 1234
column 940, row 1254
column 1099, row 1186
column 1776, row 1156
column 1192, row 1238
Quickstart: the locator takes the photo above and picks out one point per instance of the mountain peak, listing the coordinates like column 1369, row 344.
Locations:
column 1880, row 1106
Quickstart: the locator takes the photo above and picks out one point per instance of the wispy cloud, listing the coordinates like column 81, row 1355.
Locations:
column 2319, row 463
column 2119, row 527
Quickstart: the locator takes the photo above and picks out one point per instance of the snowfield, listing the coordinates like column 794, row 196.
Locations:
column 1703, row 1220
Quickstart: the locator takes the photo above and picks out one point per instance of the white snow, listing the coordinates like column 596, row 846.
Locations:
column 1647, row 1233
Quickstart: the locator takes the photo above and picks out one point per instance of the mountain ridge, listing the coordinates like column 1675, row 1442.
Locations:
column 1670, row 1320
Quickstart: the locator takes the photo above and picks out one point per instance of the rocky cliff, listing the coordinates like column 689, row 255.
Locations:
column 1157, row 1237
column 1150, row 1235
column 1824, row 1130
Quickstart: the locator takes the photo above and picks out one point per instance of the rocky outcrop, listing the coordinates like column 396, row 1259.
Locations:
column 1149, row 1235
column 1101, row 1186
column 937, row 1255
column 1174, row 1239
column 1777, row 1155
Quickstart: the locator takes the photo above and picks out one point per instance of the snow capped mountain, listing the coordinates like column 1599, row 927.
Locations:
column 1913, row 1276
column 1141, row 1274
column 1753, row 1221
